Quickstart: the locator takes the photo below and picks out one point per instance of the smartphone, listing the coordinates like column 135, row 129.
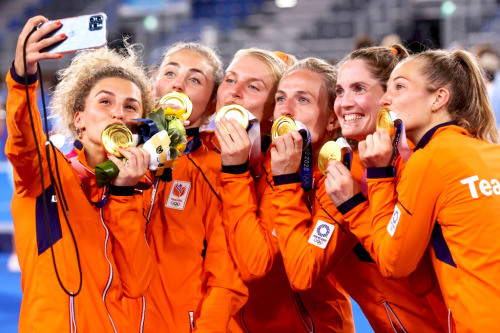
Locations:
column 82, row 32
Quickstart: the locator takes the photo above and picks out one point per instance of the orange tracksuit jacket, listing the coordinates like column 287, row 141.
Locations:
column 273, row 306
column 113, row 254
column 389, row 305
column 197, row 285
column 447, row 203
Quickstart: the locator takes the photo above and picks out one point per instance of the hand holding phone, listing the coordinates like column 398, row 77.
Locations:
column 48, row 41
column 82, row 32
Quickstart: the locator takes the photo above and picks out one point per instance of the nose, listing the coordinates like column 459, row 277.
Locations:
column 385, row 100
column 117, row 112
column 178, row 85
column 236, row 90
column 286, row 108
column 346, row 101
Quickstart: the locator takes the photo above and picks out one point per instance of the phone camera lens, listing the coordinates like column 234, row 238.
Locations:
column 99, row 19
column 91, row 19
column 94, row 25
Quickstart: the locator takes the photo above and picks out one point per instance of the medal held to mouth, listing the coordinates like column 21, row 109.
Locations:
column 115, row 136
column 386, row 120
column 179, row 100
column 390, row 121
column 234, row 111
column 281, row 126
column 334, row 151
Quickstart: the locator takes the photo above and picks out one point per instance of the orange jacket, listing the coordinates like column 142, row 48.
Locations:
column 113, row 255
column 319, row 243
column 446, row 202
column 197, row 285
column 273, row 306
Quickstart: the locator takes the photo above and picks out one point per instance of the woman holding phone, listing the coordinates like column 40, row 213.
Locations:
column 81, row 248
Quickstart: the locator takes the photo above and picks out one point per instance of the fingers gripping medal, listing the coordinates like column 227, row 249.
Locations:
column 234, row 111
column 285, row 124
column 338, row 150
column 390, row 121
column 179, row 100
column 116, row 136
column 113, row 137
column 248, row 121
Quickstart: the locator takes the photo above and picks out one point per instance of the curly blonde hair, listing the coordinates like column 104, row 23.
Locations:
column 86, row 69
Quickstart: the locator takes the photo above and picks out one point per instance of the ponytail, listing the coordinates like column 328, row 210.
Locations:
column 469, row 104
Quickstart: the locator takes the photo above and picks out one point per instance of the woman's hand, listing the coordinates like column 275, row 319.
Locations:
column 35, row 43
column 234, row 141
column 133, row 169
column 286, row 154
column 376, row 150
column 339, row 184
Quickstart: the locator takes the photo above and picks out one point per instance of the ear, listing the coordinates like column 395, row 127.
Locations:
column 442, row 97
column 210, row 109
column 333, row 122
column 78, row 120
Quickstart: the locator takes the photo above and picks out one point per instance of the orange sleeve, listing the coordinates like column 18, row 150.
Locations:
column 404, row 217
column 20, row 147
column 306, row 261
column 226, row 292
column 123, row 216
column 249, row 236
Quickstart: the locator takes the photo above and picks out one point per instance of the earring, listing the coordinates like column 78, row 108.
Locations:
column 79, row 132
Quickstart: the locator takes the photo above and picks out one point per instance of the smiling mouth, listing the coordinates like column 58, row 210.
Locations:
column 350, row 117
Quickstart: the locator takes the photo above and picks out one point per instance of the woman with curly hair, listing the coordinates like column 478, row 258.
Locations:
column 81, row 248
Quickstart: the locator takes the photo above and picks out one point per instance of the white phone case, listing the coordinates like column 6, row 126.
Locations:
column 82, row 32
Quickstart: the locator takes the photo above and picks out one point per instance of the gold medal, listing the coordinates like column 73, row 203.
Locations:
column 115, row 136
column 234, row 111
column 282, row 125
column 331, row 151
column 384, row 120
column 179, row 100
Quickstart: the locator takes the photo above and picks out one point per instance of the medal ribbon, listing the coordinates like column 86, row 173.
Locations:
column 253, row 131
column 346, row 151
column 84, row 174
column 306, row 160
column 400, row 143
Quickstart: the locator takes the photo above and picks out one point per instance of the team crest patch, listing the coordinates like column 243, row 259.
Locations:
column 178, row 195
column 322, row 233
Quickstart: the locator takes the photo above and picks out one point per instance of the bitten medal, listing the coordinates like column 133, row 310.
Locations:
column 386, row 119
column 115, row 136
column 234, row 111
column 282, row 125
column 390, row 121
column 180, row 100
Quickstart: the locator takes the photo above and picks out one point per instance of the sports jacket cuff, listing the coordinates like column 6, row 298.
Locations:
column 289, row 178
column 381, row 172
column 19, row 79
column 236, row 169
column 121, row 190
column 351, row 203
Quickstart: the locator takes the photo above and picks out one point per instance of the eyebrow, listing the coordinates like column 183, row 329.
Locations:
column 250, row 79
column 107, row 92
column 299, row 92
column 192, row 69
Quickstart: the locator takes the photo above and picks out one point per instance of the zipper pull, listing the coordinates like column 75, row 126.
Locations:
column 191, row 320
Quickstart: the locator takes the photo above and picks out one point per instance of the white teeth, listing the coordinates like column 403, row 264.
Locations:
column 348, row 117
